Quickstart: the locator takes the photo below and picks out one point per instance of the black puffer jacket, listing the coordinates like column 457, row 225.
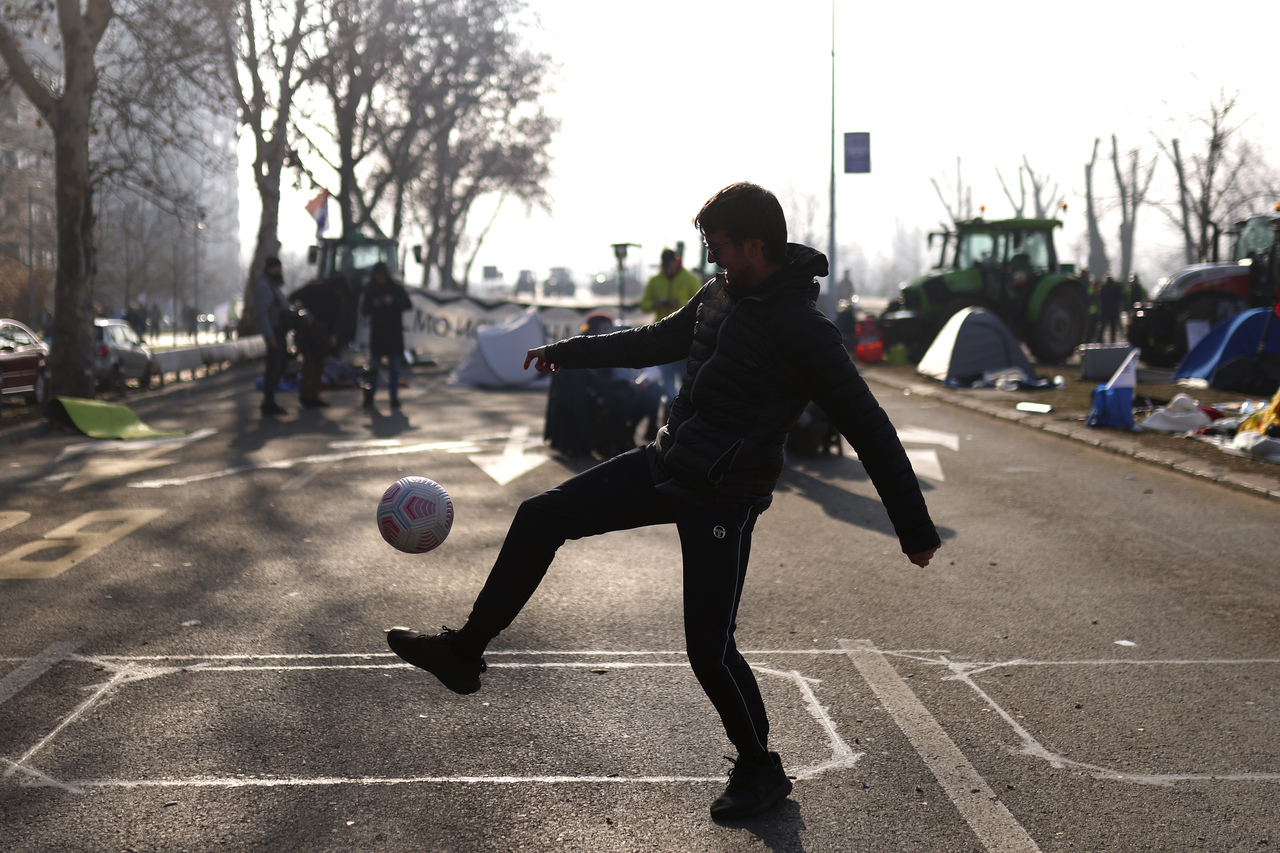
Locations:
column 756, row 358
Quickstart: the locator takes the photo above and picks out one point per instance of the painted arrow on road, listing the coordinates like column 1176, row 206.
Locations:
column 513, row 461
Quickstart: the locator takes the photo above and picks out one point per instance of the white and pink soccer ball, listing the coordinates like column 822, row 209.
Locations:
column 415, row 515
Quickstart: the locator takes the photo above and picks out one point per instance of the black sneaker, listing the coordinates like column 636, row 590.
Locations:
column 436, row 656
column 755, row 786
column 272, row 410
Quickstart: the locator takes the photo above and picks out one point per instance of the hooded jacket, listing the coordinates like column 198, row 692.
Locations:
column 756, row 359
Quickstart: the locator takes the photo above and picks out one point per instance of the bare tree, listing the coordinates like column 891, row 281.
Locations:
column 111, row 100
column 26, row 182
column 260, row 45
column 1133, row 192
column 963, row 206
column 1046, row 203
column 64, row 98
column 488, row 131
column 1021, row 204
column 361, row 44
column 1218, row 183
column 1099, row 265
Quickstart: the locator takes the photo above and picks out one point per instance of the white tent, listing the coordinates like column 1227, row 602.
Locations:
column 973, row 343
column 497, row 359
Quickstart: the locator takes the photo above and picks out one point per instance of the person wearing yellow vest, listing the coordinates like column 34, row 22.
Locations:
column 666, row 292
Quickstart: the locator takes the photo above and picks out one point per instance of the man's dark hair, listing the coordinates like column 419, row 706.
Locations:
column 745, row 211
column 668, row 255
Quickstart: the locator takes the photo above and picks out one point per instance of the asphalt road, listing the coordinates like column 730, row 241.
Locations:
column 192, row 650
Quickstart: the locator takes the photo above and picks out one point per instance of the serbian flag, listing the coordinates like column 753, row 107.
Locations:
column 318, row 207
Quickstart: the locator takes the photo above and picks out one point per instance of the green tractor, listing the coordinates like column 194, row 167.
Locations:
column 1010, row 268
column 354, row 255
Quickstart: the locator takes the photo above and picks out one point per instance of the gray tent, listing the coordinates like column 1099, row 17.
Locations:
column 497, row 359
column 973, row 343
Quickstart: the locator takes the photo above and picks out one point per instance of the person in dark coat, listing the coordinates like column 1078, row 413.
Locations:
column 271, row 310
column 759, row 350
column 599, row 409
column 321, row 303
column 1110, row 304
column 384, row 303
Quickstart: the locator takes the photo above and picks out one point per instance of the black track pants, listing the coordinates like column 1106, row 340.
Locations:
column 716, row 543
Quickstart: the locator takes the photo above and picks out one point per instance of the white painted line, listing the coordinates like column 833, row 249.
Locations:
column 842, row 756
column 32, row 669
column 20, row 764
column 285, row 464
column 925, row 463
column 920, row 435
column 116, row 446
column 322, row 781
column 306, row 477
column 512, row 462
column 1031, row 746
column 12, row 518
column 994, row 825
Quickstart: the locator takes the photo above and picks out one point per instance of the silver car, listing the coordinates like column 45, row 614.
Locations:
column 119, row 355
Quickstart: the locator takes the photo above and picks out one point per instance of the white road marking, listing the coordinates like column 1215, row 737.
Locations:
column 925, row 463
column 306, row 477
column 513, row 462
column 964, row 672
column 920, row 435
column 32, row 669
column 990, row 820
column 116, row 446
column 12, row 518
column 285, row 464
column 81, row 542
column 103, row 468
column 135, row 669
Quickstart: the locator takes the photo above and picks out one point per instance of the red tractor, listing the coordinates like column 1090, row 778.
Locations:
column 1207, row 294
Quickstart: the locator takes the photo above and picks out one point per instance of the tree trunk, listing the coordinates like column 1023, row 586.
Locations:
column 1098, row 263
column 71, row 361
column 1189, row 246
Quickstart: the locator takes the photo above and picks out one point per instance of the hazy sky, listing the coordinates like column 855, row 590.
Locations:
column 664, row 102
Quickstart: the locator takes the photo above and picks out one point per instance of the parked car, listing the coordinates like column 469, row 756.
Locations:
column 119, row 355
column 22, row 362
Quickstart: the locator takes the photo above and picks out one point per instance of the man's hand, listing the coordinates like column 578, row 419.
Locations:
column 922, row 558
column 539, row 356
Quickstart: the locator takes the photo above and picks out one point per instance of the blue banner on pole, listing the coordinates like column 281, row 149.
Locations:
column 857, row 152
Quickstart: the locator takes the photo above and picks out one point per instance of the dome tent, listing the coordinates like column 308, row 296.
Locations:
column 497, row 359
column 972, row 344
column 1229, row 358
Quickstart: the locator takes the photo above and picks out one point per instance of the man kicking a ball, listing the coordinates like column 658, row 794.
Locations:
column 759, row 350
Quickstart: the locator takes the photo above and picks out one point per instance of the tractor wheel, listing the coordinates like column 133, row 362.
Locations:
column 1060, row 327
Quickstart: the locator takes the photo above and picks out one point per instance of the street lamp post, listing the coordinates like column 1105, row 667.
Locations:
column 195, row 283
column 620, row 252
column 31, row 261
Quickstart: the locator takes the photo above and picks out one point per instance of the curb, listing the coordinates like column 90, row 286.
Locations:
column 1261, row 484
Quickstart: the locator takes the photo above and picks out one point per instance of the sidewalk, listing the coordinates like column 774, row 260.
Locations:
column 1261, row 482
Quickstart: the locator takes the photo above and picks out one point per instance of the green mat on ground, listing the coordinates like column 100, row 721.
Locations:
column 97, row 419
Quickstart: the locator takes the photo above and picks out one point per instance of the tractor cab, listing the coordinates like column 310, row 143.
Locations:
column 353, row 256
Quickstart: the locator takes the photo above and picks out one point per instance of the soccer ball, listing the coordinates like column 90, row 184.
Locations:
column 415, row 515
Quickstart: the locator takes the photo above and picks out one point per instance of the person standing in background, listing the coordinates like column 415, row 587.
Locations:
column 271, row 310
column 667, row 292
column 384, row 304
